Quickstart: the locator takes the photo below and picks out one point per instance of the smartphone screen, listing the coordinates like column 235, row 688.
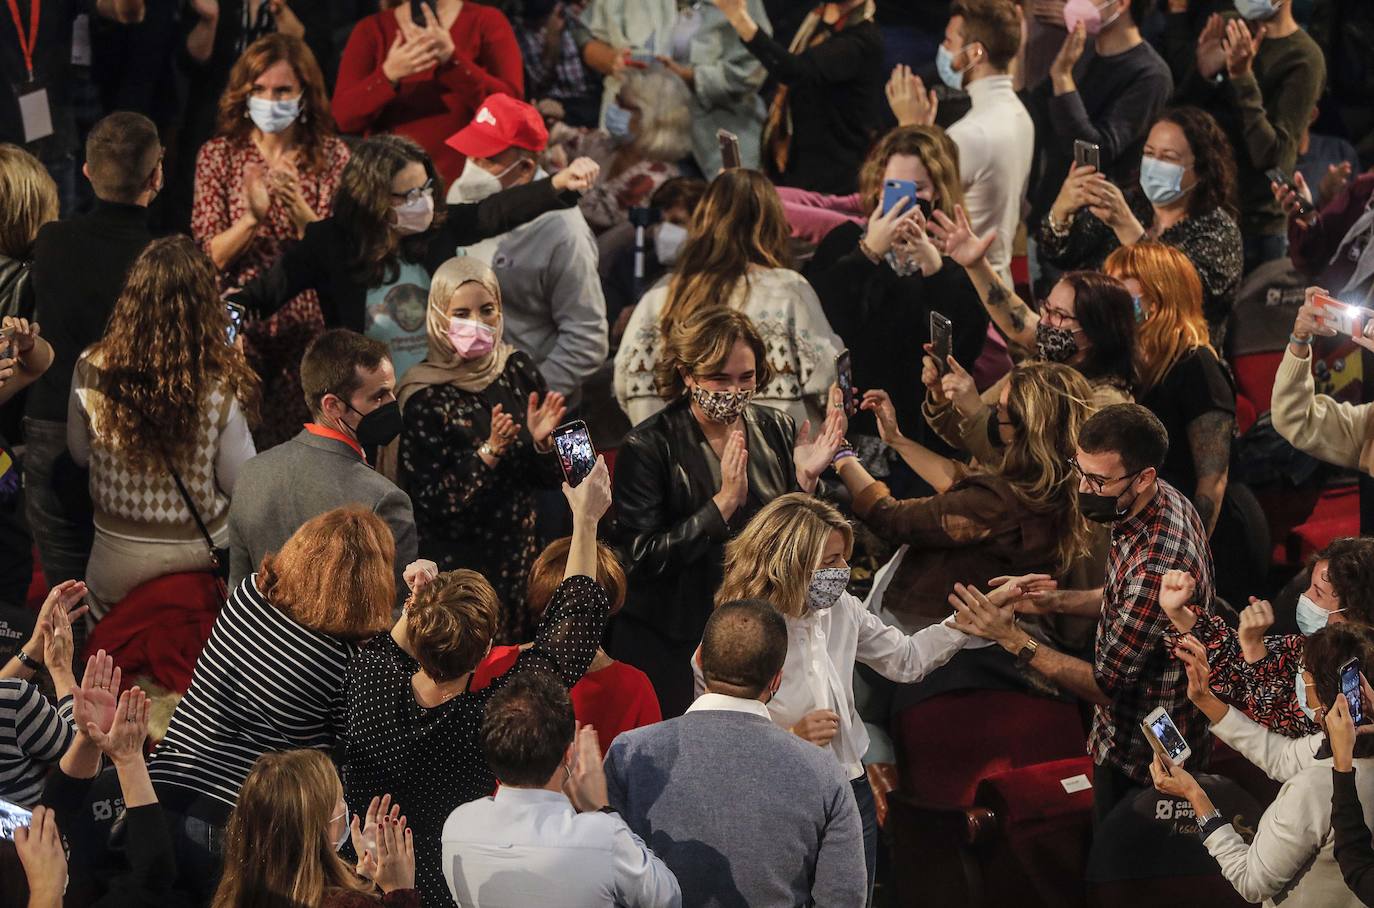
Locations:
column 846, row 382
column 12, row 816
column 1086, row 154
column 729, row 149
column 237, row 314
column 1168, row 737
column 576, row 455
column 941, row 340
column 1350, row 686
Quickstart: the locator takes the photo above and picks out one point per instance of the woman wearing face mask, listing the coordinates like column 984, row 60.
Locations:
column 372, row 259
column 794, row 553
column 1186, row 198
column 736, row 257
column 688, row 478
column 1262, row 673
column 828, row 107
column 283, row 839
column 271, row 170
column 477, row 417
column 647, row 132
column 878, row 286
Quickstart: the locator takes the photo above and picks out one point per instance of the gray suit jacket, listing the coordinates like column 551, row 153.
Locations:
column 742, row 812
column 285, row 486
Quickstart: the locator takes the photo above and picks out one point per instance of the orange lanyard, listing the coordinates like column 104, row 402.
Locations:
column 26, row 47
column 320, row 431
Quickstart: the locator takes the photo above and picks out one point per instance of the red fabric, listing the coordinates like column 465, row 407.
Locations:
column 325, row 432
column 1255, row 377
column 1032, row 793
column 503, row 122
column 944, row 755
column 159, row 629
column 432, row 105
column 1337, row 514
column 617, row 698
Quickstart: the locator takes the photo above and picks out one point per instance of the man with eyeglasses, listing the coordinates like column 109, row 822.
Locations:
column 1154, row 529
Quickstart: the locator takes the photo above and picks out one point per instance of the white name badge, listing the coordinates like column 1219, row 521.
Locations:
column 36, row 114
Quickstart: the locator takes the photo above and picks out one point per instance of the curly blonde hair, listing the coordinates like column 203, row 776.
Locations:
column 162, row 355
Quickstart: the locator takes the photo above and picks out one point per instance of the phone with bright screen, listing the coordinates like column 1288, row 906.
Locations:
column 576, row 455
column 1350, row 686
column 1164, row 736
column 12, row 816
column 845, row 379
column 237, row 314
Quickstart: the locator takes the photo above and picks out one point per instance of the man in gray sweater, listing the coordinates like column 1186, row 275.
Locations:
column 742, row 812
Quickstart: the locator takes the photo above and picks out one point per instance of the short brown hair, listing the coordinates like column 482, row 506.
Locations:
column 122, row 151
column 684, row 191
column 702, row 343
column 995, row 24
column 332, row 364
column 1350, row 571
column 527, row 728
column 547, row 573
column 451, row 622
column 743, row 646
column 1331, row 647
column 336, row 574
column 28, row 200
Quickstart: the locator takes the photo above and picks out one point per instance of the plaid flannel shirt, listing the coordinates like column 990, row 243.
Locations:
column 1132, row 661
column 568, row 77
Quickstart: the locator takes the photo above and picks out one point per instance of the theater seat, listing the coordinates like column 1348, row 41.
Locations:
column 1337, row 514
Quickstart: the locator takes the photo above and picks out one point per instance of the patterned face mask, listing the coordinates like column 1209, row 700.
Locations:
column 722, row 406
column 826, row 586
column 1055, row 345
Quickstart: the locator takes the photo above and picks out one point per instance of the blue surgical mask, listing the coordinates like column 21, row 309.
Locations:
column 618, row 122
column 1257, row 10
column 1162, row 181
column 944, row 65
column 1139, row 307
column 274, row 116
column 1312, row 617
column 1300, row 689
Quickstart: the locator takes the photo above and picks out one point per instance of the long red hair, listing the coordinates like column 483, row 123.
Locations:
column 1171, row 292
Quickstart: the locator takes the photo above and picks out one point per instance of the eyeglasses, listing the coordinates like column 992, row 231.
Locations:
column 1059, row 315
column 414, row 195
column 1099, row 483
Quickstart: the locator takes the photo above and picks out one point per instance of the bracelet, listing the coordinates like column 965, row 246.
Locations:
column 488, row 450
column 28, row 661
column 868, row 252
column 1300, row 341
column 840, row 455
column 1057, row 227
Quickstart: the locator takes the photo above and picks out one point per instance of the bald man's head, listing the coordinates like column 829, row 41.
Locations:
column 743, row 648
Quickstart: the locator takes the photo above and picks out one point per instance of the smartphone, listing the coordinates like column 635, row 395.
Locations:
column 941, row 340
column 576, row 455
column 237, row 315
column 1164, row 737
column 12, row 816
column 1350, row 686
column 1276, row 175
column 1348, row 320
column 729, row 149
column 845, row 371
column 1086, row 154
column 6, row 342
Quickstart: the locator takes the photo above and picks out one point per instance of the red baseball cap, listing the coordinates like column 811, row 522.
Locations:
column 501, row 122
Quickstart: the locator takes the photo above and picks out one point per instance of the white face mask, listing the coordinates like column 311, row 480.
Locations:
column 1301, row 691
column 668, row 240
column 1312, row 617
column 274, row 116
column 474, row 184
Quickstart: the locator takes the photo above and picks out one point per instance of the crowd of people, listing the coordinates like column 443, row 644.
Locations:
column 528, row 452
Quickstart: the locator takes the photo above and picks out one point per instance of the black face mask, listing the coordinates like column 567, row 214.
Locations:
column 380, row 427
column 1105, row 508
column 995, row 432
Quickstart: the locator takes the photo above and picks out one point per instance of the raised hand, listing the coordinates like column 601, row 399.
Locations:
column 592, row 496
column 812, row 456
column 288, row 23
column 1193, row 655
column 418, row 573
column 1211, row 56
column 1310, row 321
column 1025, row 594
column 129, row 729
column 542, row 417
column 257, row 193
column 975, row 614
column 1075, row 193
column 1175, row 593
column 504, row 429
column 94, row 703
column 734, row 476
column 58, row 646
column 914, row 244
column 1296, row 203
column 1171, row 779
column 1255, row 619
column 395, row 855
column 24, row 334
column 441, row 42
column 364, row 833
column 579, row 176
column 585, row 784
column 1240, row 47
column 66, row 597
column 961, row 243
column 45, row 862
column 1108, row 205
column 882, row 228
column 1336, row 178
column 958, row 388
column 409, row 53
column 931, row 374
column 911, row 104
column 1061, row 69
column 884, row 413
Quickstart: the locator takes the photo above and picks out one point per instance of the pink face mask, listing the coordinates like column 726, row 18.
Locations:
column 471, row 339
column 1089, row 13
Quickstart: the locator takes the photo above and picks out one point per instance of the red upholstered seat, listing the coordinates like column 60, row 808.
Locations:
column 1254, row 374
column 1337, row 514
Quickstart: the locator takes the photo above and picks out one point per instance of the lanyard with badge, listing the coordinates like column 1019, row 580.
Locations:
column 33, row 98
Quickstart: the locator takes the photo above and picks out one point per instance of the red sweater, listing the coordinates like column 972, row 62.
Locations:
column 617, row 698
column 432, row 105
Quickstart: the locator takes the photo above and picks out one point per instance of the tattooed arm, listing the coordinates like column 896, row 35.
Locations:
column 1209, row 439
column 1015, row 319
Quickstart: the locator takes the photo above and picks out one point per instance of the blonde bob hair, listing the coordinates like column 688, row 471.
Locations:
column 335, row 574
column 1171, row 294
column 774, row 556
column 665, row 119
column 28, row 199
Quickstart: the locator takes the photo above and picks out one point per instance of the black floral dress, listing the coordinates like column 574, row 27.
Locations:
column 470, row 515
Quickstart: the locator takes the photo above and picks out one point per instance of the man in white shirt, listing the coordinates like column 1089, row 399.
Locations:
column 547, row 837
column 996, row 138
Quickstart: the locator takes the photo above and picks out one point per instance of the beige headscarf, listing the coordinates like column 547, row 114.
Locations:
column 442, row 365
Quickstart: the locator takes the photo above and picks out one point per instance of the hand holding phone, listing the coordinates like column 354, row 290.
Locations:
column 1276, row 175
column 1354, row 692
column 941, row 340
column 1164, row 736
column 845, row 379
column 1087, row 154
column 576, row 455
column 1340, row 317
column 12, row 817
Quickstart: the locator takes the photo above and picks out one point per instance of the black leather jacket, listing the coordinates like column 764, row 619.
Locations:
column 671, row 537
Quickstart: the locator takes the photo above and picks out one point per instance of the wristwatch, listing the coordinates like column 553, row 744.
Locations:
column 28, row 661
column 1027, row 651
column 488, row 450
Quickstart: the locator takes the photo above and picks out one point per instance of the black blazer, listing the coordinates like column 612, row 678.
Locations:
column 321, row 260
column 670, row 535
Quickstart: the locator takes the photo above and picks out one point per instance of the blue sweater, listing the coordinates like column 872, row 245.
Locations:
column 742, row 812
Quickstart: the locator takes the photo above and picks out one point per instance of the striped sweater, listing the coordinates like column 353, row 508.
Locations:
column 33, row 733
column 263, row 683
